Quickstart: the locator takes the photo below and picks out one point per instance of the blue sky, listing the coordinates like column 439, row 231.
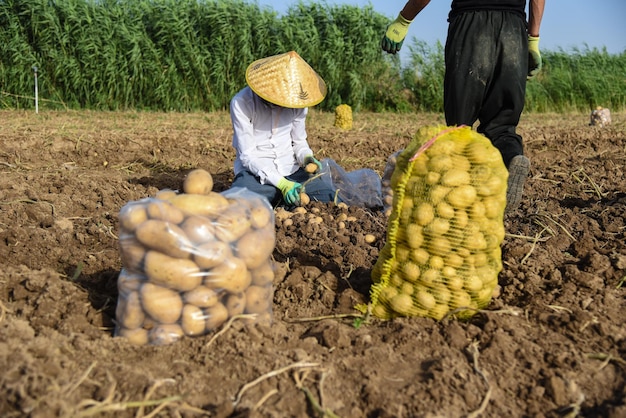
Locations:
column 566, row 24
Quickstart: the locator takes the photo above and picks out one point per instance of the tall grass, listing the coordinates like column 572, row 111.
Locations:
column 579, row 80
column 186, row 55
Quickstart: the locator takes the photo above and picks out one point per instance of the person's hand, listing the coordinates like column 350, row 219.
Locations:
column 290, row 191
column 534, row 57
column 311, row 159
column 395, row 34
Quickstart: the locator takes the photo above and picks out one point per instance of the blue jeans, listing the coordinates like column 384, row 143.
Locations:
column 317, row 189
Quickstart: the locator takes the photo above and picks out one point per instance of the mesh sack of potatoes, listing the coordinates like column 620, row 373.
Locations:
column 442, row 254
column 343, row 117
column 192, row 261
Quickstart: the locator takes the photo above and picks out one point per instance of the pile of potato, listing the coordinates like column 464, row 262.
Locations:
column 444, row 233
column 193, row 260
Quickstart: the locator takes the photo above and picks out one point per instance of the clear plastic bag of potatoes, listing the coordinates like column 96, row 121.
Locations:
column 193, row 261
column 361, row 187
column 442, row 254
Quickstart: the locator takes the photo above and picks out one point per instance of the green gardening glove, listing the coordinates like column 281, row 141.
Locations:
column 396, row 32
column 311, row 159
column 290, row 191
column 534, row 57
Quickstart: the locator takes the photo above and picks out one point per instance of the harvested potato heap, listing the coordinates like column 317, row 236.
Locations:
column 193, row 260
column 442, row 251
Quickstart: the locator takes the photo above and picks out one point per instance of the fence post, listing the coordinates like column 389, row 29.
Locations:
column 36, row 90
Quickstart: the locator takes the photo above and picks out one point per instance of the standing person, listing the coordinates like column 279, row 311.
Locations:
column 270, row 138
column 490, row 52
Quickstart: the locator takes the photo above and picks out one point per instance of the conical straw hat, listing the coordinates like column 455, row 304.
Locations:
column 286, row 80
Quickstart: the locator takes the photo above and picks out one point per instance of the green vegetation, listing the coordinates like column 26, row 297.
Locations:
column 182, row 55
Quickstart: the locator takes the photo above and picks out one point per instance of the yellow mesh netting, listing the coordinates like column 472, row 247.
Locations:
column 442, row 252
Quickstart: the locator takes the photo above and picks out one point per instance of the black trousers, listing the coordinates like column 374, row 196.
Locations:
column 486, row 57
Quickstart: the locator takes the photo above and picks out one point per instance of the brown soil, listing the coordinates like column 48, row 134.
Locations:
column 552, row 344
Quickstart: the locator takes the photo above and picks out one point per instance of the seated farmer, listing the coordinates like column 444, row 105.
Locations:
column 270, row 138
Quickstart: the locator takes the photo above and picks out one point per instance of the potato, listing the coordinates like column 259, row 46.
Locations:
column 430, row 277
column 193, row 320
column 259, row 299
column 165, row 194
column 164, row 237
column 235, row 303
column 462, row 196
column 232, row 276
column 162, row 304
column 304, row 199
column 137, row 336
column 200, row 204
column 132, row 253
column 454, row 282
column 410, row 272
column 149, row 323
column 198, row 181
column 165, row 334
column 483, row 296
column 440, row 163
column 444, row 210
column 211, row 254
column 175, row 273
column 260, row 214
column 202, row 297
column 380, row 311
column 131, row 215
column 482, row 152
column 438, row 226
column 420, row 256
column 129, row 313
column 256, row 246
column 425, row 299
column 232, row 223
column 455, row 177
column 264, row 274
column 424, row 214
column 473, row 283
column 311, row 168
column 198, row 229
column 402, row 304
column 216, row 316
column 164, row 211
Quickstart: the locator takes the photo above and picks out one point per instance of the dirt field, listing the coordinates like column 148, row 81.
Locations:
column 552, row 344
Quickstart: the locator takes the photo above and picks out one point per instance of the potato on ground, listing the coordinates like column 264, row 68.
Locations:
column 198, row 181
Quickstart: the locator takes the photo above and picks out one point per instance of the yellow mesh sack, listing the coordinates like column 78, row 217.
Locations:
column 442, row 254
column 343, row 117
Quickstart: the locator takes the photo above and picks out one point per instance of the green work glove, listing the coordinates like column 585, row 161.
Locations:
column 396, row 32
column 311, row 159
column 290, row 191
column 534, row 56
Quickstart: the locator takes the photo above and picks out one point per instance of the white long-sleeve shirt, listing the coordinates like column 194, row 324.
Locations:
column 270, row 141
